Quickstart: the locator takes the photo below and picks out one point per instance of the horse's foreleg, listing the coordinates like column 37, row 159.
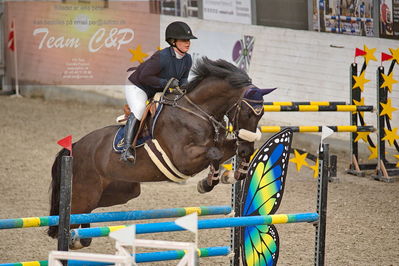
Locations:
column 230, row 177
column 207, row 184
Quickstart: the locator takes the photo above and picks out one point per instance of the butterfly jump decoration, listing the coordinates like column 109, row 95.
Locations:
column 262, row 195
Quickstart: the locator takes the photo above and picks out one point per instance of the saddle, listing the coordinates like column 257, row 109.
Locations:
column 147, row 124
column 144, row 131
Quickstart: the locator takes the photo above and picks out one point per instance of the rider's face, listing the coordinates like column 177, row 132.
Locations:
column 183, row 45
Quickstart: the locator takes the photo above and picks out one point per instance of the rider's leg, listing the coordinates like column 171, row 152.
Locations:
column 136, row 99
column 130, row 127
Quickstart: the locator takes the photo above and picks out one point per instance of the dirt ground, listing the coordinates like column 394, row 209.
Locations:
column 362, row 226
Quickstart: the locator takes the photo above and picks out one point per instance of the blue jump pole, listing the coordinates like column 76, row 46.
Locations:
column 114, row 216
column 142, row 257
column 202, row 224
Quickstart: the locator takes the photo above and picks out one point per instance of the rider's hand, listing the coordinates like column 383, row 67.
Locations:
column 174, row 83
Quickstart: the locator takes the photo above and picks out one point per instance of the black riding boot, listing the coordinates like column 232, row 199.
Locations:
column 129, row 152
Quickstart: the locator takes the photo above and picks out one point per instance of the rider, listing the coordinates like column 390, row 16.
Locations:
column 152, row 76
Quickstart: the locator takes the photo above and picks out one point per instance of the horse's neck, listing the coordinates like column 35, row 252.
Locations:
column 215, row 99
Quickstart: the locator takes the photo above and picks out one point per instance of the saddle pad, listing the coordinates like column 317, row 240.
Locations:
column 119, row 140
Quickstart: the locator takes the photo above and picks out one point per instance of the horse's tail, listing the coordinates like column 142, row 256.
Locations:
column 55, row 190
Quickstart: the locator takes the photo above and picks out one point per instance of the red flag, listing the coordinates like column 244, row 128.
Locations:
column 11, row 37
column 66, row 143
column 386, row 57
column 359, row 52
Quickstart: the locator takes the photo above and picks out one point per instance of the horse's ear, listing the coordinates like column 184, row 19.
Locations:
column 257, row 94
column 266, row 91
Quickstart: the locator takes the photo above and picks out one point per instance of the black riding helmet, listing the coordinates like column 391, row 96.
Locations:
column 178, row 30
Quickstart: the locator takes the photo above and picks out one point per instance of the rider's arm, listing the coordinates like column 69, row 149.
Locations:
column 149, row 75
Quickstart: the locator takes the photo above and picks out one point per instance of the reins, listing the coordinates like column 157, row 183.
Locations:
column 205, row 116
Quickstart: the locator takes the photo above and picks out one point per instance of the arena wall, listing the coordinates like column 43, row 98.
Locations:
column 304, row 65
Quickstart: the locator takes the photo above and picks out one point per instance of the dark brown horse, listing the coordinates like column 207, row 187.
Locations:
column 191, row 131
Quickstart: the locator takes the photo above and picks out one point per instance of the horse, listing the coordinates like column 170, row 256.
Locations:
column 215, row 119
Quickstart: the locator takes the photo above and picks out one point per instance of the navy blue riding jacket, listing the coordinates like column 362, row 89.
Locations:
column 152, row 75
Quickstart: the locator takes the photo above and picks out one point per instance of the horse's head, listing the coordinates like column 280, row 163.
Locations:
column 248, row 113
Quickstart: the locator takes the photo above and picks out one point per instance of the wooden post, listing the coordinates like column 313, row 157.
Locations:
column 65, row 203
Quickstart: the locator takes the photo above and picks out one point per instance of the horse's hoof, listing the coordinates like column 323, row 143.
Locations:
column 79, row 244
column 203, row 187
column 85, row 242
column 75, row 245
column 228, row 177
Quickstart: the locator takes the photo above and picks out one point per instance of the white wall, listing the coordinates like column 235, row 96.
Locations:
column 306, row 66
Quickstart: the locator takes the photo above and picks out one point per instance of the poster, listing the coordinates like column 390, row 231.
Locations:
column 352, row 17
column 80, row 43
column 238, row 11
column 389, row 19
column 232, row 47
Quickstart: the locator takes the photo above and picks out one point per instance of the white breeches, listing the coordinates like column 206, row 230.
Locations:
column 136, row 99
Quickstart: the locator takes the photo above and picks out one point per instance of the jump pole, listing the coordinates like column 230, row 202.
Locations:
column 275, row 129
column 142, row 257
column 114, row 216
column 202, row 224
column 318, row 108
column 304, row 103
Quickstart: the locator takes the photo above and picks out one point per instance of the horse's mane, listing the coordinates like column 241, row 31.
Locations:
column 205, row 67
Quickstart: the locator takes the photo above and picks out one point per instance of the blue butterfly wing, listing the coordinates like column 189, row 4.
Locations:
column 263, row 191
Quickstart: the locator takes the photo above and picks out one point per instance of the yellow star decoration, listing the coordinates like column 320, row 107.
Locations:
column 159, row 48
column 315, row 169
column 228, row 166
column 395, row 54
column 138, row 55
column 358, row 103
column 369, row 54
column 390, row 135
column 299, row 160
column 360, row 81
column 388, row 81
column 397, row 157
column 373, row 152
column 387, row 109
column 362, row 135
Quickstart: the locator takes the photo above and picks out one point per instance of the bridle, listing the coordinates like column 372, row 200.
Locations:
column 217, row 125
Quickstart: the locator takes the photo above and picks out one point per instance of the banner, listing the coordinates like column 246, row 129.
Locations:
column 238, row 11
column 352, row 17
column 389, row 19
column 232, row 47
column 82, row 43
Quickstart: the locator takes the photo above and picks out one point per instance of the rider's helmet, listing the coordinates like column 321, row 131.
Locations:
column 178, row 30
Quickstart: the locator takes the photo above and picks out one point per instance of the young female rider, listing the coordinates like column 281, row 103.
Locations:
column 152, row 76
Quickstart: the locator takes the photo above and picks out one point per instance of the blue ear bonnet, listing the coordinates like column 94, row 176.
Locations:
column 255, row 96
